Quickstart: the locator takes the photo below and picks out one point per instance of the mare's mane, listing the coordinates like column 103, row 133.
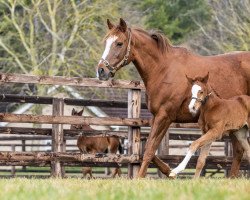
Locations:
column 161, row 40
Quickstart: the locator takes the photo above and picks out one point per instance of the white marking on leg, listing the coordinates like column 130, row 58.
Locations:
column 195, row 89
column 183, row 164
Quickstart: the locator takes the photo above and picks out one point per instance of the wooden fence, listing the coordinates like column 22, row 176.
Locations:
column 59, row 158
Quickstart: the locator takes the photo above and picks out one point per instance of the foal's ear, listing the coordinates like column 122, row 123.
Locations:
column 190, row 80
column 110, row 25
column 123, row 25
column 73, row 112
column 80, row 112
column 205, row 79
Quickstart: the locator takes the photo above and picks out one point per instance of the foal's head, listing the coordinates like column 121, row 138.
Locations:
column 117, row 50
column 199, row 92
column 75, row 113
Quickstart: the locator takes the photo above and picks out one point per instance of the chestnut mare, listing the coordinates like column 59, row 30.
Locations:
column 162, row 68
column 96, row 144
column 218, row 117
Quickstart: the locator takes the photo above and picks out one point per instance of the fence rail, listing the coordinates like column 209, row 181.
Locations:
column 59, row 80
column 59, row 158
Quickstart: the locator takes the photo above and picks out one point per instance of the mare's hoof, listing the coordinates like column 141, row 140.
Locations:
column 172, row 175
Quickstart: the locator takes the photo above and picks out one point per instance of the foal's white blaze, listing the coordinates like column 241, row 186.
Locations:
column 195, row 90
column 109, row 42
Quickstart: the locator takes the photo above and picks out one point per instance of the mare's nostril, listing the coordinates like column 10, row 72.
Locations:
column 193, row 108
column 100, row 70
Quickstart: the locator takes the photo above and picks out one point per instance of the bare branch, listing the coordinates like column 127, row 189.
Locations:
column 19, row 63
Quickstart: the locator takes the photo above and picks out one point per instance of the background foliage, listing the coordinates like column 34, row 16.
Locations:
column 64, row 37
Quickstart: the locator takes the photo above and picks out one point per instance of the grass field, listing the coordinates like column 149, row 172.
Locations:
column 115, row 189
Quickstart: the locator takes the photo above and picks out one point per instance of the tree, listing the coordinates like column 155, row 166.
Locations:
column 175, row 17
column 229, row 29
column 59, row 37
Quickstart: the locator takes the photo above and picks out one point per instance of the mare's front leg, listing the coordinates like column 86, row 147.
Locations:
column 206, row 139
column 159, row 127
column 202, row 159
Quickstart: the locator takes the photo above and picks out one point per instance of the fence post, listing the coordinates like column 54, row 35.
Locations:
column 134, row 133
column 163, row 150
column 226, row 150
column 13, row 168
column 57, row 138
column 23, row 149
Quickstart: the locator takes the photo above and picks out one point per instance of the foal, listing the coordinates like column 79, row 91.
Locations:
column 217, row 118
column 96, row 144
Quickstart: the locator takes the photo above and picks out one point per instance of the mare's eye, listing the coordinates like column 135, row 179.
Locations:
column 119, row 44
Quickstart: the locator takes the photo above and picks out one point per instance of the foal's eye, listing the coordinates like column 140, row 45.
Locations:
column 119, row 44
column 201, row 92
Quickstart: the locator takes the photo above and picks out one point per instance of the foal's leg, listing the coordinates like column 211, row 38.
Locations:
column 242, row 137
column 238, row 152
column 113, row 149
column 87, row 170
column 160, row 125
column 202, row 159
column 205, row 139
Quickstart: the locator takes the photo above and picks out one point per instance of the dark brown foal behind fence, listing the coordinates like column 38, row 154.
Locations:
column 217, row 118
column 96, row 144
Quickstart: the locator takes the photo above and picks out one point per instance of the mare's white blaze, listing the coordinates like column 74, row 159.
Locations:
column 195, row 90
column 109, row 42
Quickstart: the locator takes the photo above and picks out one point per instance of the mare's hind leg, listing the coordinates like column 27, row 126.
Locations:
column 162, row 166
column 202, row 159
column 238, row 152
column 242, row 137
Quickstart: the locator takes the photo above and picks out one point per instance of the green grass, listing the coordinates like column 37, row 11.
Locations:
column 116, row 189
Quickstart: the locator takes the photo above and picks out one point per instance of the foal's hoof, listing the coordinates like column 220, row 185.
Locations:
column 172, row 175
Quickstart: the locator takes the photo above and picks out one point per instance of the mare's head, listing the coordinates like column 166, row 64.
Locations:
column 199, row 92
column 75, row 113
column 117, row 50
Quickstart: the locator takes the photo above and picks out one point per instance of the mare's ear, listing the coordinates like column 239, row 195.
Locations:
column 123, row 25
column 73, row 112
column 190, row 80
column 110, row 25
column 205, row 79
column 80, row 112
